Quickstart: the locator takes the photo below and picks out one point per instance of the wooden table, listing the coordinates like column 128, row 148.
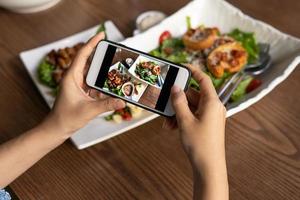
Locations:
column 263, row 142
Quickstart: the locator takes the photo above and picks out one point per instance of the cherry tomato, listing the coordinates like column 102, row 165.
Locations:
column 255, row 83
column 126, row 116
column 164, row 36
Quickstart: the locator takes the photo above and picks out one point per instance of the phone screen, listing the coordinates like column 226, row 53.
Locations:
column 136, row 77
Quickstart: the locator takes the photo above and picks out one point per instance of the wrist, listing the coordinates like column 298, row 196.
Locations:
column 212, row 165
column 54, row 124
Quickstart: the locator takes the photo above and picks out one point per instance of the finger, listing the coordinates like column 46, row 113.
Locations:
column 85, row 88
column 193, row 97
column 94, row 93
column 109, row 104
column 102, row 95
column 85, row 70
column 180, row 105
column 204, row 81
column 85, row 52
column 170, row 124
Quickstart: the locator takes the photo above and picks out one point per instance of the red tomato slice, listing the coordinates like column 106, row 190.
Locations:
column 255, row 83
column 164, row 36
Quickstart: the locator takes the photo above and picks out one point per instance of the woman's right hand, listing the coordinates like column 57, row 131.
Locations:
column 200, row 118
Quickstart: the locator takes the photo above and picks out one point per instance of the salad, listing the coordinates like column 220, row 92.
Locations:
column 220, row 55
column 148, row 71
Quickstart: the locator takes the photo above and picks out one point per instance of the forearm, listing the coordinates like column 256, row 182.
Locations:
column 210, row 181
column 19, row 154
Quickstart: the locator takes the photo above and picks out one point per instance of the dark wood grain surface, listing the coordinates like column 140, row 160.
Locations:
column 263, row 142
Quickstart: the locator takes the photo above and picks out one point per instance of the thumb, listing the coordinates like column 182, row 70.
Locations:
column 180, row 105
column 109, row 104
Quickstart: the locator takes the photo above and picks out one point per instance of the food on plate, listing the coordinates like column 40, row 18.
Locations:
column 55, row 64
column 115, row 80
column 231, row 57
column 53, row 67
column 220, row 55
column 148, row 71
column 127, row 113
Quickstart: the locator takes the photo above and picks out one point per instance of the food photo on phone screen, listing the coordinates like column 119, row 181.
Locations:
column 136, row 77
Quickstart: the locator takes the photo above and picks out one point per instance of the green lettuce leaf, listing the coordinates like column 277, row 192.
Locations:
column 45, row 71
column 249, row 43
column 240, row 91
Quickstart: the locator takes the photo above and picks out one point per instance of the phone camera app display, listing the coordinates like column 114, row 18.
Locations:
column 135, row 77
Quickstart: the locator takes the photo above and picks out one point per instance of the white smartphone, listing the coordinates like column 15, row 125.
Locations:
column 136, row 77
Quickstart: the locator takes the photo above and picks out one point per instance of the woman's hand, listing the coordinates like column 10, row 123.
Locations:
column 74, row 107
column 76, row 104
column 200, row 117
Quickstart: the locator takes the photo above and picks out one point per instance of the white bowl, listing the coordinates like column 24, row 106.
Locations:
column 123, row 89
column 27, row 6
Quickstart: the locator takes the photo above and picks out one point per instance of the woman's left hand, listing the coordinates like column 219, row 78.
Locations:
column 76, row 104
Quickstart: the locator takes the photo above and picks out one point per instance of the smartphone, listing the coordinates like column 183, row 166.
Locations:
column 136, row 77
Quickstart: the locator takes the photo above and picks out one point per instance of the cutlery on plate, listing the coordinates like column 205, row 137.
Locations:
column 262, row 64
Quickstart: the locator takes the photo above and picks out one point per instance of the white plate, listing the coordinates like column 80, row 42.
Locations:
column 98, row 129
column 285, row 49
column 134, row 65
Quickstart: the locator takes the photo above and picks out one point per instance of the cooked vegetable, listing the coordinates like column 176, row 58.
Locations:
column 249, row 43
